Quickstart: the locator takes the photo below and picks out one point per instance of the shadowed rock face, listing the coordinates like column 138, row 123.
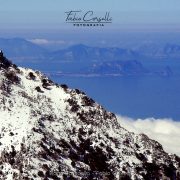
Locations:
column 1, row 54
column 4, row 62
column 49, row 131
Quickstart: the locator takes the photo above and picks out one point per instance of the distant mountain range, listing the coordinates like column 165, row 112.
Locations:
column 20, row 49
column 82, row 53
column 153, row 50
column 90, row 60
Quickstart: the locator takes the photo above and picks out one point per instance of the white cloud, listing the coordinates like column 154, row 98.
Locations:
column 165, row 131
column 46, row 42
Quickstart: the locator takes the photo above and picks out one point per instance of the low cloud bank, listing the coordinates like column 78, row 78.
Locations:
column 46, row 42
column 165, row 131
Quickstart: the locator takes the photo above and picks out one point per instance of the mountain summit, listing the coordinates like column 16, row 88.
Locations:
column 51, row 132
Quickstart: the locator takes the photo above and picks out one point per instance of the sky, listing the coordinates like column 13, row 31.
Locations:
column 42, row 20
column 48, row 14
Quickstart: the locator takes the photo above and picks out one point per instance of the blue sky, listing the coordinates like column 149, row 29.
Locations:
column 50, row 13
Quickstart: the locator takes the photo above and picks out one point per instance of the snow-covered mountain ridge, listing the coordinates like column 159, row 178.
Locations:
column 49, row 131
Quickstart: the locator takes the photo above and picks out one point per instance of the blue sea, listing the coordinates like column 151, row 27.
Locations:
column 133, row 96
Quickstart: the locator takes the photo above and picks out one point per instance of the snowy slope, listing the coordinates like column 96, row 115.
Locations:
column 49, row 131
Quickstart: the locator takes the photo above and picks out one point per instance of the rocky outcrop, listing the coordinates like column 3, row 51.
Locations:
column 49, row 131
